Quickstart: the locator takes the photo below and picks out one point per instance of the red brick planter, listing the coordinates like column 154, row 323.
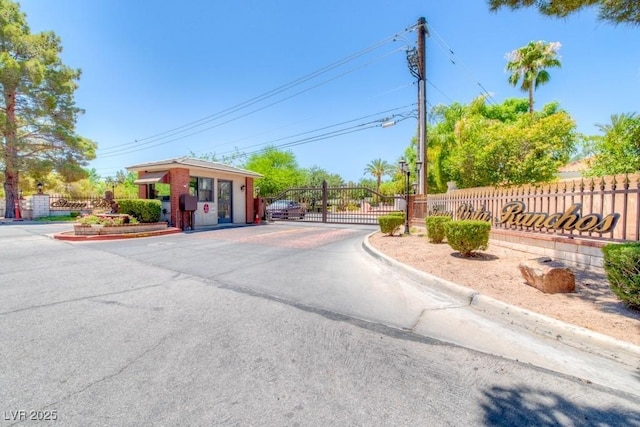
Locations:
column 98, row 230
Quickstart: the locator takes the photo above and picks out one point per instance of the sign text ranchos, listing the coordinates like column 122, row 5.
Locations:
column 513, row 214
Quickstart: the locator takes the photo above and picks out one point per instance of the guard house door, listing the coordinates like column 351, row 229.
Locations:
column 224, row 201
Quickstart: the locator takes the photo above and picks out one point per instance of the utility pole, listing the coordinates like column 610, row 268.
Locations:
column 416, row 57
column 422, row 107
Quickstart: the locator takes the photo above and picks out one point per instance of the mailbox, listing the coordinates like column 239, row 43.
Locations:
column 188, row 202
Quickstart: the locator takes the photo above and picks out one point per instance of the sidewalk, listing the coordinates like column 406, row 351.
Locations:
column 491, row 326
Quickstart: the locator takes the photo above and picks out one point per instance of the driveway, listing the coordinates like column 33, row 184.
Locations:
column 270, row 325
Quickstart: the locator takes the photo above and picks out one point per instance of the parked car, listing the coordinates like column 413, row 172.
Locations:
column 285, row 209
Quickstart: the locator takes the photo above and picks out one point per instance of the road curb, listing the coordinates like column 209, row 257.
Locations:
column 574, row 336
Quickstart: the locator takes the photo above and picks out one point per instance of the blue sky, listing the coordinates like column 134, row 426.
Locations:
column 161, row 79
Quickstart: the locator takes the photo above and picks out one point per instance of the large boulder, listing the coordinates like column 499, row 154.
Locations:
column 548, row 276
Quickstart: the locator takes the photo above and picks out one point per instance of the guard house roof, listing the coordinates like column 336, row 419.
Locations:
column 154, row 171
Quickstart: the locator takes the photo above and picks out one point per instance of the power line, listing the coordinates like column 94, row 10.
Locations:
column 334, row 134
column 397, row 116
column 361, row 118
column 401, row 115
column 451, row 55
column 124, row 151
column 259, row 98
column 439, row 90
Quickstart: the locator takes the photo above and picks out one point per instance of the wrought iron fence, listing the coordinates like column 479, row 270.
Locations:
column 606, row 208
column 346, row 205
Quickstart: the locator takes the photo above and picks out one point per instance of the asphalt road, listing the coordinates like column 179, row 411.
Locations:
column 271, row 325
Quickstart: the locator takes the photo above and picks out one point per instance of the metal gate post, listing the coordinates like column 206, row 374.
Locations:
column 324, row 201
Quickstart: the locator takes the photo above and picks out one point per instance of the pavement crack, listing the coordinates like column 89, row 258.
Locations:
column 88, row 297
column 113, row 375
column 473, row 298
column 413, row 327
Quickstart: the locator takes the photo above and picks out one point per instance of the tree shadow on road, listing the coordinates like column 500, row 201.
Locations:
column 524, row 406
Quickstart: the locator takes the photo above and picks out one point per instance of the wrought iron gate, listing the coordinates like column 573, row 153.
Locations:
column 338, row 205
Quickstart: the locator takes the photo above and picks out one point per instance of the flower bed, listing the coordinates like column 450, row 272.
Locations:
column 112, row 224
column 108, row 220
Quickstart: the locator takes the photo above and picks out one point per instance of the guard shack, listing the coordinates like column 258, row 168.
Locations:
column 196, row 193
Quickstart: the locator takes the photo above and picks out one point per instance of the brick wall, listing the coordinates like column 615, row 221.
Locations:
column 179, row 182
column 142, row 189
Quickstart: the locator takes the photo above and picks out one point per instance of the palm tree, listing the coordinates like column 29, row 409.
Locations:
column 378, row 168
column 528, row 65
column 618, row 150
column 620, row 123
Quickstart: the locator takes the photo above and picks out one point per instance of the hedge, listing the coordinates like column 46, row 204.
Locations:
column 144, row 210
column 622, row 266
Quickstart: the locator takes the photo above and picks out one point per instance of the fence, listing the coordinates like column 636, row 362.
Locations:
column 40, row 205
column 604, row 208
column 344, row 205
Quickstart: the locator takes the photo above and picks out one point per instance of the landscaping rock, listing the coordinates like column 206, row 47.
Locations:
column 548, row 276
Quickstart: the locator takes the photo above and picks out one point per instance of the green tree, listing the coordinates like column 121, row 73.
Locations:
column 528, row 65
column 478, row 144
column 92, row 185
column 315, row 175
column 279, row 169
column 612, row 11
column 529, row 150
column 37, row 107
column 618, row 150
column 442, row 139
column 377, row 169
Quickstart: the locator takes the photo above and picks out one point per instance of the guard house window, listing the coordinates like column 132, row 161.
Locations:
column 205, row 189
column 193, row 186
column 159, row 191
column 202, row 188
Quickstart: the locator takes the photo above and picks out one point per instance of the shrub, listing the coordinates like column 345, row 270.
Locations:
column 622, row 265
column 466, row 236
column 144, row 210
column 107, row 221
column 435, row 227
column 112, row 221
column 397, row 213
column 89, row 219
column 389, row 224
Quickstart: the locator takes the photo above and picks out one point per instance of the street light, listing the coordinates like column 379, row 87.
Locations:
column 407, row 173
column 112, row 182
column 420, row 176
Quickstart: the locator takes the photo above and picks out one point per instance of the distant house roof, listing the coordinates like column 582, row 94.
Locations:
column 191, row 163
column 574, row 169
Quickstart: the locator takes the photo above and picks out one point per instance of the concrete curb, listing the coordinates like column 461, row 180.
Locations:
column 529, row 321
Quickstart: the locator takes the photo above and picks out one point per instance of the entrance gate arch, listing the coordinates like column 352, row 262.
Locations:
column 338, row 205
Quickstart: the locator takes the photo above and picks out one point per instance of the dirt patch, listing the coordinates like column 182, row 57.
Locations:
column 495, row 273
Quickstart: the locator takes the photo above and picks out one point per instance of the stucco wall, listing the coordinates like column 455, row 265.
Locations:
column 580, row 253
